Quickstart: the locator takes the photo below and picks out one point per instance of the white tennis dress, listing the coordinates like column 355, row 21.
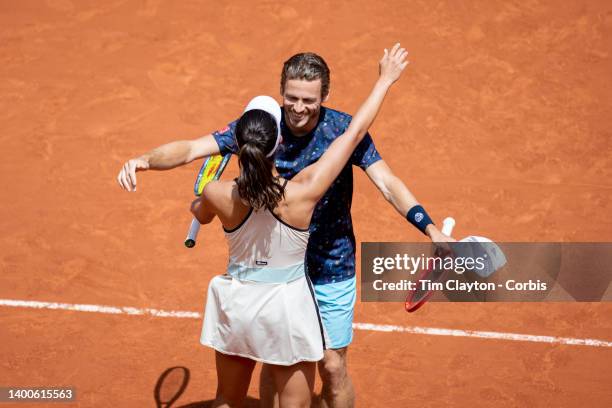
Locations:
column 264, row 307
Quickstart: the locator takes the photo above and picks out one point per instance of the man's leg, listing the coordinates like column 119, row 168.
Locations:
column 337, row 391
column 336, row 303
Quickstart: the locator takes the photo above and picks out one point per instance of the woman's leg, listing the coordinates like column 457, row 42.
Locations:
column 295, row 384
column 233, row 378
column 268, row 397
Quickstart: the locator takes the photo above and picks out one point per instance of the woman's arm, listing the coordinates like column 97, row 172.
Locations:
column 315, row 179
column 206, row 206
column 201, row 211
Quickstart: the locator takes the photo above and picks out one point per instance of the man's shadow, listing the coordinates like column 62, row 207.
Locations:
column 173, row 382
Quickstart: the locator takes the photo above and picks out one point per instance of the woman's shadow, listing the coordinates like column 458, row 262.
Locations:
column 173, row 382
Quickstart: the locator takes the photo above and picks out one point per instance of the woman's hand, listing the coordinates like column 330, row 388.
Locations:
column 392, row 64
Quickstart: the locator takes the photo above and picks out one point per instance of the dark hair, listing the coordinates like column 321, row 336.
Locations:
column 256, row 136
column 308, row 66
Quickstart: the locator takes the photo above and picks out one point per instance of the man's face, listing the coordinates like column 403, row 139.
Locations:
column 302, row 104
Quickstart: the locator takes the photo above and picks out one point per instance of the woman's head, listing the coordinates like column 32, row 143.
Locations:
column 258, row 136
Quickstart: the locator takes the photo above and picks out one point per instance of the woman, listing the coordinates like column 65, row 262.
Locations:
column 264, row 309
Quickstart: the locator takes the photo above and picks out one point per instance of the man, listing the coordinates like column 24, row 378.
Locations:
column 308, row 129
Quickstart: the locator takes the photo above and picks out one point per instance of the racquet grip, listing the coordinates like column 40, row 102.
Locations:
column 447, row 226
column 194, row 228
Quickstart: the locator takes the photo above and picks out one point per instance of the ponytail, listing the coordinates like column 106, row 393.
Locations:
column 256, row 135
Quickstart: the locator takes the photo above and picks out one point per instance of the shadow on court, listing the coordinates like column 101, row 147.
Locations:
column 248, row 403
column 171, row 385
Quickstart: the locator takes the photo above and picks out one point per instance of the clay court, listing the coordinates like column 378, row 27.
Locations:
column 503, row 120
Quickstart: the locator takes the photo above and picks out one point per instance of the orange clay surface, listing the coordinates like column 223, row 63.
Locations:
column 503, row 120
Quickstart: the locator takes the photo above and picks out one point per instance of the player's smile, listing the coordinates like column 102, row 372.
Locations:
column 302, row 104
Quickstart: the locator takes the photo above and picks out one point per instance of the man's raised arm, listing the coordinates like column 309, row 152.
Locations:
column 165, row 157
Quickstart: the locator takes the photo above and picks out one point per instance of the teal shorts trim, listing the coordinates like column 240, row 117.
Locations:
column 336, row 305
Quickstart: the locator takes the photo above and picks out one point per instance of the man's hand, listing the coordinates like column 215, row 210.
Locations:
column 166, row 157
column 392, row 64
column 436, row 235
column 440, row 241
column 127, row 175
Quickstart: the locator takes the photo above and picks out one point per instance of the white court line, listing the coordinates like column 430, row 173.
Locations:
column 432, row 331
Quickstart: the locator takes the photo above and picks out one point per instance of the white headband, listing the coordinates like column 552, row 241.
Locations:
column 268, row 104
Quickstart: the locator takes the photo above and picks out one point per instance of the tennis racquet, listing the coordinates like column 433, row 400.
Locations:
column 417, row 297
column 211, row 169
column 469, row 247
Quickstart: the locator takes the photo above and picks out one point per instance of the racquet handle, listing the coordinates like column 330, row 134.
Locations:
column 447, row 226
column 194, row 228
